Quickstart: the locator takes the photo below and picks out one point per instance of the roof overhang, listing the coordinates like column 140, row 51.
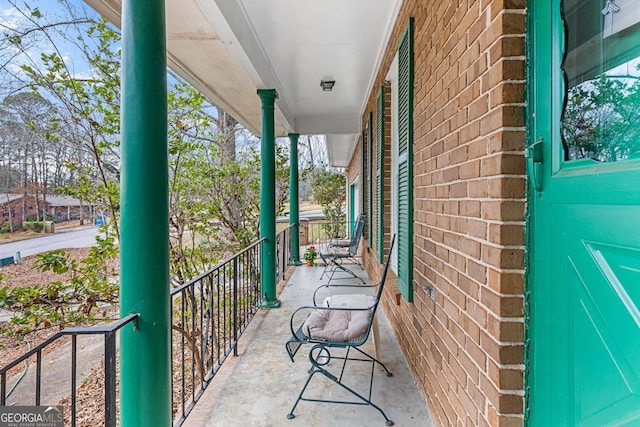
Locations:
column 228, row 49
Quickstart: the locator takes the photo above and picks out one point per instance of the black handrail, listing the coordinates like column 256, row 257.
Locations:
column 109, row 332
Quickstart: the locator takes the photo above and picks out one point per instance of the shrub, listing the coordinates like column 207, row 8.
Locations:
column 6, row 228
column 72, row 301
column 33, row 225
column 32, row 218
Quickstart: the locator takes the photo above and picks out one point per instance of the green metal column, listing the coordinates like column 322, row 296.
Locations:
column 145, row 377
column 294, row 208
column 268, row 198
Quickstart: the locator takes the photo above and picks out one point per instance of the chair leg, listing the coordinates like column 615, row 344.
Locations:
column 326, row 262
column 337, row 265
column 312, row 372
column 355, row 260
column 318, row 367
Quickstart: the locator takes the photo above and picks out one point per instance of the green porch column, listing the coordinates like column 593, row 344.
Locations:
column 145, row 377
column 294, row 208
column 268, row 198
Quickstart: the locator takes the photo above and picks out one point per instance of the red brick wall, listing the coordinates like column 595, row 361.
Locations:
column 16, row 210
column 465, row 346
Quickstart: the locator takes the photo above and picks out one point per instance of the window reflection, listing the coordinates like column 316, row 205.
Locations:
column 601, row 116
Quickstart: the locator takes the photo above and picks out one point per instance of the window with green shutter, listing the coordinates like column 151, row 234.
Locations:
column 405, row 163
column 363, row 170
column 369, row 180
column 380, row 116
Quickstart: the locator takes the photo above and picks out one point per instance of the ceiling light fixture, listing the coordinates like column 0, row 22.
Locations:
column 327, row 85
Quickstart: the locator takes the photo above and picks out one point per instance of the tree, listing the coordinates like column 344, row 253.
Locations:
column 206, row 181
column 91, row 109
column 29, row 120
column 329, row 190
column 601, row 119
column 214, row 166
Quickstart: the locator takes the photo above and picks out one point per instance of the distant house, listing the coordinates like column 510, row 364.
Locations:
column 60, row 208
column 65, row 208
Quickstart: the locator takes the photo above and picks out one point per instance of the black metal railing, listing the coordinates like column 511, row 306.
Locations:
column 283, row 252
column 208, row 316
column 110, row 367
column 209, row 313
column 321, row 232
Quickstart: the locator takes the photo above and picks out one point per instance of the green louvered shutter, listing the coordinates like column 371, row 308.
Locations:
column 405, row 163
column 369, row 180
column 380, row 113
column 363, row 180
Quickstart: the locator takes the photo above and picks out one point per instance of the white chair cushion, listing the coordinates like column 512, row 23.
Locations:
column 336, row 325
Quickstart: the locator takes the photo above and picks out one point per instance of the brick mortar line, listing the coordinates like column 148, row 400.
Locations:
column 475, row 239
column 506, row 319
column 500, row 294
column 464, row 273
column 490, row 222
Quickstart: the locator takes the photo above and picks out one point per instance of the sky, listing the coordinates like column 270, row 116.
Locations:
column 51, row 11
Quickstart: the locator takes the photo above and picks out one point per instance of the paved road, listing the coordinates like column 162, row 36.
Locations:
column 80, row 238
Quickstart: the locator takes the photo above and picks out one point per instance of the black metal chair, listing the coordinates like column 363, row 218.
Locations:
column 345, row 243
column 337, row 328
column 334, row 255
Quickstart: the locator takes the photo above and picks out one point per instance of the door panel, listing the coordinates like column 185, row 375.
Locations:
column 584, row 170
column 599, row 271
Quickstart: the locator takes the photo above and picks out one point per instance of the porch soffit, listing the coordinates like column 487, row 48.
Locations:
column 228, row 49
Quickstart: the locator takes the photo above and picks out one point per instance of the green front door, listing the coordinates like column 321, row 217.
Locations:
column 583, row 354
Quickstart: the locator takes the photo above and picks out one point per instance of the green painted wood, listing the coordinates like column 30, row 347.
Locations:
column 268, row 199
column 363, row 171
column 352, row 206
column 584, row 269
column 405, row 163
column 145, row 370
column 380, row 115
column 294, row 200
column 370, row 179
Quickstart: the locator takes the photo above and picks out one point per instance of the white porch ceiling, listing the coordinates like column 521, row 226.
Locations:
column 230, row 48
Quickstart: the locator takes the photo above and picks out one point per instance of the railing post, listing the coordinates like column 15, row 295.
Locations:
column 202, row 336
column 235, row 306
column 38, row 376
column 3, row 389
column 74, row 385
column 268, row 199
column 285, row 253
column 109, row 379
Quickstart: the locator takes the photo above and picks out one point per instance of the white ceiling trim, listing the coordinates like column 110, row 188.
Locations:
column 397, row 4
column 245, row 44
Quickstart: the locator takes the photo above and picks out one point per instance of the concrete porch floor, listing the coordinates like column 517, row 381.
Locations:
column 259, row 387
